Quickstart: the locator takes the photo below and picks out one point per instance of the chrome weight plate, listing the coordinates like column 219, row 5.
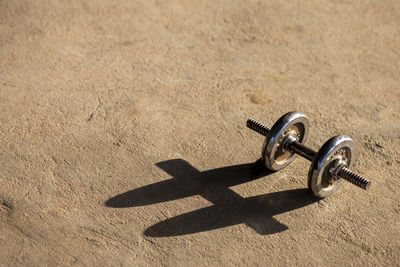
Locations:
column 274, row 155
column 320, row 179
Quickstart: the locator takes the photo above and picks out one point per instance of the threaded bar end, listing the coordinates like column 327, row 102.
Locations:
column 257, row 127
column 354, row 178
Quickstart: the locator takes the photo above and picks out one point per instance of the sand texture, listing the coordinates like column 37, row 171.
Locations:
column 123, row 136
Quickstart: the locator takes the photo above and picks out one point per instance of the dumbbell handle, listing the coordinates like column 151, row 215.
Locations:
column 309, row 154
column 301, row 150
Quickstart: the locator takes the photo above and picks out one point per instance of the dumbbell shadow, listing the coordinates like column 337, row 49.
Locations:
column 229, row 207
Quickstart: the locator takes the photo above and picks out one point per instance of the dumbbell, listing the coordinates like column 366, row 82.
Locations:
column 330, row 166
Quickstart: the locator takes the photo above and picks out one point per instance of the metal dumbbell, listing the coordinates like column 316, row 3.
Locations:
column 330, row 165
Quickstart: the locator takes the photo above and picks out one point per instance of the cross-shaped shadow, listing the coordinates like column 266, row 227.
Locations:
column 229, row 207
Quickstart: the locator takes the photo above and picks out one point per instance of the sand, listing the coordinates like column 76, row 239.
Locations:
column 123, row 137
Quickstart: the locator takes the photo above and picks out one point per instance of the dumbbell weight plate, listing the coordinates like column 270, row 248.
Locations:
column 274, row 155
column 319, row 176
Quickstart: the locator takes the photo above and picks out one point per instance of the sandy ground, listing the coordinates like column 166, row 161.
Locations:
column 123, row 138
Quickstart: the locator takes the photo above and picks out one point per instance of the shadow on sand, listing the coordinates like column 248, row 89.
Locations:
column 229, row 207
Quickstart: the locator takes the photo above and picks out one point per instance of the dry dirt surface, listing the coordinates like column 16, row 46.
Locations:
column 123, row 137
